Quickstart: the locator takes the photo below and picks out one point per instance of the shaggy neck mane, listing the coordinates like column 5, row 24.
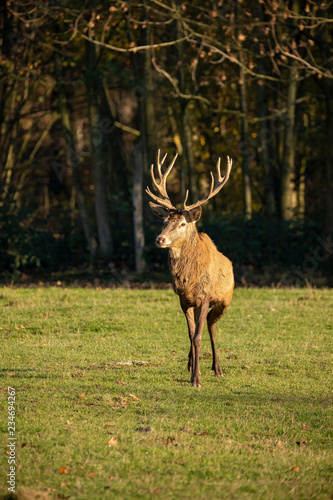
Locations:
column 188, row 262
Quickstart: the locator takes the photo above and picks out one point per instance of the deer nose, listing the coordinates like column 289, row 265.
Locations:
column 160, row 240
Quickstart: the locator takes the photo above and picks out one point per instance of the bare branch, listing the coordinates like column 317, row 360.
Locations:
column 174, row 84
column 298, row 58
column 133, row 49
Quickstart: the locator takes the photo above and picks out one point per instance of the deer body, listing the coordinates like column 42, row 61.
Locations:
column 200, row 272
column 202, row 276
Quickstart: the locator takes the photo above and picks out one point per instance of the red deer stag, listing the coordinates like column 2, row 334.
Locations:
column 201, row 275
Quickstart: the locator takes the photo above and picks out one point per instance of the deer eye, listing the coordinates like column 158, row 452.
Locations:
column 183, row 224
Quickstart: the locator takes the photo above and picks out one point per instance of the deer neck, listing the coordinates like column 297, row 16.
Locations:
column 182, row 256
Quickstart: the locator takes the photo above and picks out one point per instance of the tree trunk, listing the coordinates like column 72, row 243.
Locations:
column 289, row 148
column 74, row 161
column 188, row 151
column 98, row 160
column 265, row 133
column 145, row 149
column 247, row 193
column 329, row 164
column 139, row 238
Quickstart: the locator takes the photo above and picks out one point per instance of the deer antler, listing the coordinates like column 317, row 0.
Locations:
column 163, row 200
column 213, row 191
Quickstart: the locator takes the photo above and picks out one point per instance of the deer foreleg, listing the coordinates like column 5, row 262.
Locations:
column 201, row 315
column 189, row 314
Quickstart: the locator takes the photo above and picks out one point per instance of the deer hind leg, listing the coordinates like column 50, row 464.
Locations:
column 213, row 316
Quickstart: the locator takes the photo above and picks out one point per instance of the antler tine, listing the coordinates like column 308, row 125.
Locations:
column 160, row 163
column 212, row 191
column 161, row 185
column 186, row 196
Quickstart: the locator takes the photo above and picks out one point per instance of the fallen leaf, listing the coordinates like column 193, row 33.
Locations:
column 170, row 440
column 113, row 442
column 109, row 425
column 69, row 422
column 83, row 395
column 63, row 470
column 186, row 429
column 295, row 469
column 120, row 382
column 307, row 427
column 155, row 492
column 134, row 397
column 173, row 352
column 91, row 474
column 23, row 445
column 303, row 443
column 201, row 433
column 143, row 429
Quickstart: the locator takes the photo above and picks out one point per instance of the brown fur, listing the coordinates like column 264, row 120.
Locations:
column 202, row 277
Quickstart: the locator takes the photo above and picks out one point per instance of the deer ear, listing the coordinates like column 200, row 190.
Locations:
column 159, row 211
column 195, row 214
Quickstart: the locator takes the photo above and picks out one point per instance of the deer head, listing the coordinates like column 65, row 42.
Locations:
column 179, row 223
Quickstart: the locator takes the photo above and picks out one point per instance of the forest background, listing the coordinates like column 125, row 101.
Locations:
column 89, row 91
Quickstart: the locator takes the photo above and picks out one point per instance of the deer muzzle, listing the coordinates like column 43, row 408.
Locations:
column 161, row 241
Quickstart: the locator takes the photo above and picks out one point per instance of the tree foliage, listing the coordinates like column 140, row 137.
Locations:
column 89, row 91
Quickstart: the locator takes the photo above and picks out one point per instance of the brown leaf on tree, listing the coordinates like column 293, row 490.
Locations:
column 113, row 441
column 63, row 470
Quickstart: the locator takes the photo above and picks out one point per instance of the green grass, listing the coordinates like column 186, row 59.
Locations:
column 62, row 349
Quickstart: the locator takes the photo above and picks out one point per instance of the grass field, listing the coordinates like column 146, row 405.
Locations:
column 104, row 407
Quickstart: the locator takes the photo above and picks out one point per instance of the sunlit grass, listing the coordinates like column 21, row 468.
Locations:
column 262, row 431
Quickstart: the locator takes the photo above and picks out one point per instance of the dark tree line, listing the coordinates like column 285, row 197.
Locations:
column 90, row 90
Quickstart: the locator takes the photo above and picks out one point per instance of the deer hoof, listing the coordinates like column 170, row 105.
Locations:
column 217, row 370
column 195, row 381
